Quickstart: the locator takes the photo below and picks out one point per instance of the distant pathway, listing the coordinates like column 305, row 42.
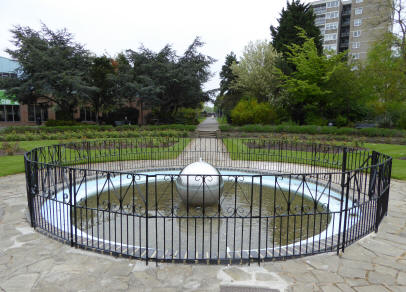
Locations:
column 208, row 128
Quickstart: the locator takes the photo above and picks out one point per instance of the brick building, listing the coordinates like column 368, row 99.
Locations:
column 14, row 113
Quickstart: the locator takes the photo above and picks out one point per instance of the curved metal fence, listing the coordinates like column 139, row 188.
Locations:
column 280, row 199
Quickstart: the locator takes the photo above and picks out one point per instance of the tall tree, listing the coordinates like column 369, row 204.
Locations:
column 100, row 78
column 255, row 72
column 164, row 80
column 53, row 67
column 296, row 16
column 227, row 77
column 384, row 80
column 228, row 96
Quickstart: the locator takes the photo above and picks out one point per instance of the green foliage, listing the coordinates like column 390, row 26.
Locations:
column 101, row 80
column 228, row 96
column 56, row 123
column 256, row 75
column 187, row 116
column 10, row 148
column 321, row 89
column 164, row 80
column 383, row 78
column 296, row 17
column 53, row 67
column 250, row 112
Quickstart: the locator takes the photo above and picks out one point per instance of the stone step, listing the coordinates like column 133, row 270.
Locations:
column 207, row 134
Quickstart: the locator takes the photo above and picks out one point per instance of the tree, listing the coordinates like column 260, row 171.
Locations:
column 384, row 80
column 227, row 77
column 392, row 13
column 296, row 16
column 163, row 80
column 256, row 71
column 100, row 78
column 320, row 88
column 228, row 96
column 53, row 68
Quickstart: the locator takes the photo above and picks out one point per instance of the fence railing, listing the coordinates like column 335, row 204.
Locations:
column 280, row 199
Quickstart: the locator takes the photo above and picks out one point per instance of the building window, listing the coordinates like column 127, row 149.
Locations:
column 330, row 47
column 331, row 25
column 359, row 1
column 357, row 22
column 358, row 11
column 331, row 15
column 356, row 45
column 330, row 37
column 332, row 4
column 355, row 56
column 9, row 113
column 38, row 112
column 357, row 33
column 86, row 114
column 320, row 21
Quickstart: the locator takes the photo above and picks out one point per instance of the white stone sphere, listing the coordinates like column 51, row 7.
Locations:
column 199, row 183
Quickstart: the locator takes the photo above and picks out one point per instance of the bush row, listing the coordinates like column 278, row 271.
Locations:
column 314, row 130
column 30, row 136
column 102, row 128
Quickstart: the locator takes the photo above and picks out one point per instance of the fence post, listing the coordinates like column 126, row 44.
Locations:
column 30, row 192
column 380, row 197
column 72, row 240
column 372, row 176
column 343, row 173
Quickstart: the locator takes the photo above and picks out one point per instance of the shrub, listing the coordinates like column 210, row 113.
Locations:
column 56, row 123
column 10, row 148
column 187, row 116
column 341, row 121
column 252, row 112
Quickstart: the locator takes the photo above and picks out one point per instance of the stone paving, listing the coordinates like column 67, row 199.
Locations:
column 30, row 261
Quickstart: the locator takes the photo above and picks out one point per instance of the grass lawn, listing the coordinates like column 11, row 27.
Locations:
column 239, row 151
column 15, row 163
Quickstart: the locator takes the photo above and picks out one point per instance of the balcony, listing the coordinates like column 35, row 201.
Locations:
column 345, row 23
column 345, row 34
column 319, row 11
column 346, row 12
column 320, row 22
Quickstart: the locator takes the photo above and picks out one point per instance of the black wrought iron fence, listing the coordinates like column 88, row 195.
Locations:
column 278, row 199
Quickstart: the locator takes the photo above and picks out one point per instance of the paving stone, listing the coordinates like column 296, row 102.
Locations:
column 329, row 288
column 264, row 277
column 401, row 279
column 344, row 287
column 237, row 274
column 350, row 272
column 327, row 277
column 20, row 283
column 379, row 278
column 304, row 277
column 371, row 288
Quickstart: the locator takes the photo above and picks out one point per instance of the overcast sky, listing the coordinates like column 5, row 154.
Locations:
column 113, row 26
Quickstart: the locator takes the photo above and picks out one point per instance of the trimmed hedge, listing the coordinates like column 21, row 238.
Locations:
column 314, row 130
column 97, row 128
column 90, row 134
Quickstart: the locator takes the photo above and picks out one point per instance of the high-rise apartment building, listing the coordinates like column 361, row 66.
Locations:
column 352, row 25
